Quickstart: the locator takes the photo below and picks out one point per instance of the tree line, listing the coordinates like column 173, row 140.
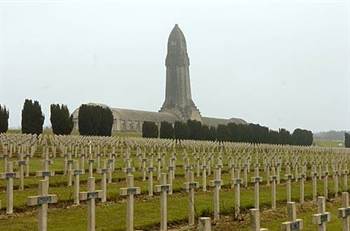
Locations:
column 95, row 120
column 249, row 133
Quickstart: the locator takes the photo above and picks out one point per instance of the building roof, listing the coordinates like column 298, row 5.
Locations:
column 137, row 115
column 143, row 115
column 210, row 121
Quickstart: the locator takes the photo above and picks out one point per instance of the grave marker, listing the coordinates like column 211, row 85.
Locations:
column 216, row 195
column 204, row 224
column 190, row 187
column 293, row 224
column 255, row 220
column 77, row 172
column 103, row 171
column 91, row 195
column 42, row 200
column 130, row 191
column 9, row 175
column 256, row 180
column 163, row 189
column 322, row 217
column 237, row 196
column 344, row 212
column 150, row 170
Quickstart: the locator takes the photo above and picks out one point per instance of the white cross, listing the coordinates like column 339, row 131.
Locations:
column 130, row 191
column 293, row 224
column 322, row 217
column 9, row 175
column 42, row 200
column 91, row 195
column 163, row 188
column 190, row 187
column 255, row 218
column 273, row 180
column 77, row 172
column 344, row 213
column 217, row 186
column 256, row 180
column 237, row 184
column 104, row 171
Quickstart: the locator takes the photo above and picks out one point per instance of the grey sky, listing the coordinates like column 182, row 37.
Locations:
column 277, row 63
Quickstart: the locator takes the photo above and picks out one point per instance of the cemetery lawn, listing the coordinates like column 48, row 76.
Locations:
column 274, row 219
column 329, row 143
column 111, row 215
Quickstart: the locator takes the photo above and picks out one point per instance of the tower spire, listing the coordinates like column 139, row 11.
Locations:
column 178, row 99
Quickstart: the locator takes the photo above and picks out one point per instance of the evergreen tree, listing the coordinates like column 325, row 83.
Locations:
column 222, row 133
column 32, row 117
column 84, row 124
column 166, row 130
column 106, row 123
column 61, row 120
column 284, row 136
column 212, row 133
column 255, row 133
column 180, row 130
column 248, row 133
column 205, row 133
column 95, row 120
column 149, row 130
column 233, row 132
column 347, row 140
column 194, row 129
column 4, row 117
column 302, row 137
column 273, row 137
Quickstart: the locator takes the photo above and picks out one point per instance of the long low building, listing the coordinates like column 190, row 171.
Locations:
column 132, row 120
column 178, row 104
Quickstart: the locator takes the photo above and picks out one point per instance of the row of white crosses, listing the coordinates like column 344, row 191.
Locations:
column 246, row 168
column 320, row 219
column 217, row 178
column 170, row 168
column 77, row 172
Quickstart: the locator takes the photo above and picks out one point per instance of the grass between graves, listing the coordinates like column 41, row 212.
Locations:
column 58, row 186
column 111, row 215
column 273, row 219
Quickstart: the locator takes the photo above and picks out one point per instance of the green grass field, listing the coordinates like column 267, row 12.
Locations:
column 111, row 215
column 329, row 143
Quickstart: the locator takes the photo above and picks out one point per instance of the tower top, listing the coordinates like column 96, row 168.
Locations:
column 176, row 35
column 177, row 48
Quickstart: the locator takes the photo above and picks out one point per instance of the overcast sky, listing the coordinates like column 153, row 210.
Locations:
column 278, row 63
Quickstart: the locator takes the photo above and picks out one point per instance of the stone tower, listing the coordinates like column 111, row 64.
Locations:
column 178, row 99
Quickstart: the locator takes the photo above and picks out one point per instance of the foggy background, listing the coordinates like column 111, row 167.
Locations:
column 276, row 63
